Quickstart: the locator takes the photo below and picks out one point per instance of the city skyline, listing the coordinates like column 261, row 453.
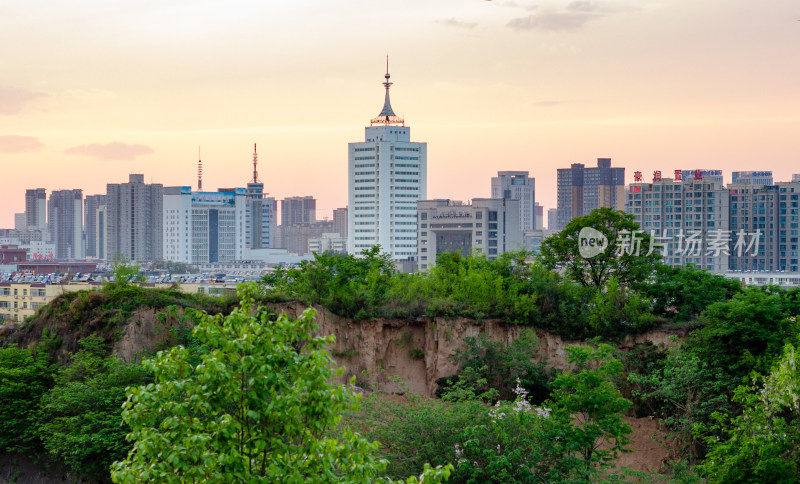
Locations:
column 93, row 92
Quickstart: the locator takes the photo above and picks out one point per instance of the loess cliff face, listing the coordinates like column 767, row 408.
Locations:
column 398, row 355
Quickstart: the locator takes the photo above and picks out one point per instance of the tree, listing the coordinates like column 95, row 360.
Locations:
column 763, row 443
column 683, row 292
column 257, row 407
column 626, row 255
column 79, row 420
column 126, row 271
column 24, row 378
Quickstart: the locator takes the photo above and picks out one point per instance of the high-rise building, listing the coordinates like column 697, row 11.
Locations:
column 36, row 209
column 487, row 225
column 552, row 219
column 65, row 223
column 764, row 227
column 340, row 221
column 387, row 174
column 581, row 190
column 756, row 178
column 538, row 217
column 261, row 216
column 91, row 205
column 688, row 219
column 518, row 185
column 133, row 217
column 796, row 177
column 298, row 210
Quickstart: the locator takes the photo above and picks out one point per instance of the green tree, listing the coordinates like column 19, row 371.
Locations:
column 256, row 408
column 763, row 443
column 575, row 436
column 494, row 365
column 24, row 378
column 622, row 232
column 79, row 420
column 126, row 271
column 683, row 292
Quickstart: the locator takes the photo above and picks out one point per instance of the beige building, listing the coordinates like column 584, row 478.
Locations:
column 487, row 225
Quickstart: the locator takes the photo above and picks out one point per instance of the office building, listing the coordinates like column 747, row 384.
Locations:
column 298, row 210
column 688, row 219
column 203, row 227
column 91, row 205
column 134, row 227
column 387, row 174
column 518, row 185
column 753, row 178
column 581, row 190
column 487, row 225
column 210, row 227
column 65, row 223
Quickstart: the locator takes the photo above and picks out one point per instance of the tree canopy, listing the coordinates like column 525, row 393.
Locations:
column 624, row 254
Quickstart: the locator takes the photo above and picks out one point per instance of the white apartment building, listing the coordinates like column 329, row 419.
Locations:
column 688, row 217
column 387, row 174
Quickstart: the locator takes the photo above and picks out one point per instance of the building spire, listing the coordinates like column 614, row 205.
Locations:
column 255, row 163
column 387, row 115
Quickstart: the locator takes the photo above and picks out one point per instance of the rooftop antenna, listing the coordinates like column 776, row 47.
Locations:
column 255, row 163
column 199, row 170
column 387, row 116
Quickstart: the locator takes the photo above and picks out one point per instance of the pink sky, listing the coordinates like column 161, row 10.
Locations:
column 91, row 91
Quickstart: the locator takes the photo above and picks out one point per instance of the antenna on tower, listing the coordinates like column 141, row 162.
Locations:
column 255, row 164
column 199, row 170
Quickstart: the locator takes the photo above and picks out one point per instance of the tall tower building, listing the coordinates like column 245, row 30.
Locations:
column 517, row 185
column 134, row 219
column 65, row 223
column 387, row 174
column 92, row 204
column 36, row 209
column 581, row 190
column 340, row 221
column 261, row 216
column 298, row 211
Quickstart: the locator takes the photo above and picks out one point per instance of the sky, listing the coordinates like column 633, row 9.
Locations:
column 92, row 90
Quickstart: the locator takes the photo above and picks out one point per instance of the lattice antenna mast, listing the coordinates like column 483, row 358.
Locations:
column 199, row 170
column 255, row 164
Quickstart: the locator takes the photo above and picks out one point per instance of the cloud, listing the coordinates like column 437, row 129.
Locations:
column 13, row 99
column 110, row 151
column 552, row 21
column 19, row 144
column 451, row 22
column 573, row 16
